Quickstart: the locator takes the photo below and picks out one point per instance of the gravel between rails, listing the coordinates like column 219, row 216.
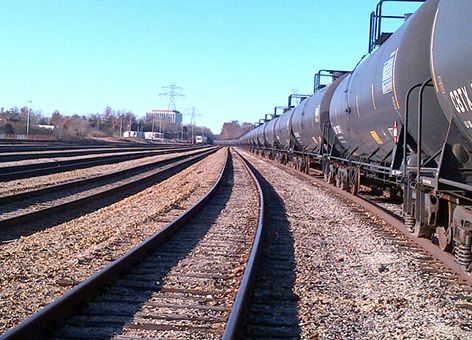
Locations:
column 15, row 186
column 185, row 289
column 356, row 277
column 38, row 268
column 58, row 159
column 108, row 151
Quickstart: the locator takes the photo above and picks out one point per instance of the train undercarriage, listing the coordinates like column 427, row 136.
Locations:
column 444, row 216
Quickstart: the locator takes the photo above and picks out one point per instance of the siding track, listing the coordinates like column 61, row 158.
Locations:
column 189, row 280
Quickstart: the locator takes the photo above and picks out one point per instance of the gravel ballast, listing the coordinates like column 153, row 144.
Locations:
column 186, row 288
column 26, row 184
column 356, row 277
column 38, row 268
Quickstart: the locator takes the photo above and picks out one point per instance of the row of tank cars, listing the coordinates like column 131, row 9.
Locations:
column 401, row 121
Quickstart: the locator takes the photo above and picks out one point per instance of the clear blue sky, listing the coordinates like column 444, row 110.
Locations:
column 235, row 60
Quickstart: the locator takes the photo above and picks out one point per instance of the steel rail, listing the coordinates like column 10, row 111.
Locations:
column 20, row 156
column 33, row 170
column 235, row 321
column 55, row 188
column 40, row 324
column 447, row 259
column 168, row 169
column 23, row 147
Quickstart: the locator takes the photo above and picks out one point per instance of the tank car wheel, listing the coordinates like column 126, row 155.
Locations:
column 409, row 222
column 307, row 165
column 354, row 184
column 331, row 177
column 444, row 238
column 354, row 188
column 302, row 165
column 337, row 181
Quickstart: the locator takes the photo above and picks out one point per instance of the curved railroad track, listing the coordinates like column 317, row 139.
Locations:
column 191, row 279
column 9, row 173
column 31, row 206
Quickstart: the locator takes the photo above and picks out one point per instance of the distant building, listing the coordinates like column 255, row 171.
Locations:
column 48, row 127
column 133, row 134
column 153, row 135
column 201, row 139
column 163, row 115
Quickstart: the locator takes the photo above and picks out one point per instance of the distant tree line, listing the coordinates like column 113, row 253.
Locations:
column 110, row 122
column 234, row 130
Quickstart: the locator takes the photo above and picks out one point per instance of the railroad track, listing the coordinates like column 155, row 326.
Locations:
column 31, row 206
column 8, row 147
column 273, row 308
column 191, row 279
column 391, row 216
column 33, row 170
column 25, row 155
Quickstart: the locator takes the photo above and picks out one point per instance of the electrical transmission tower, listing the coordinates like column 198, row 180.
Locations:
column 172, row 93
column 193, row 113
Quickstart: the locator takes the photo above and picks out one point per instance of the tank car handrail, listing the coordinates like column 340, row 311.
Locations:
column 296, row 95
column 375, row 29
column 456, row 184
column 405, row 124
column 427, row 83
column 276, row 108
column 325, row 73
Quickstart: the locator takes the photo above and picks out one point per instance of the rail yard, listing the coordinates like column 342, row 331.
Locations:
column 346, row 214
column 228, row 245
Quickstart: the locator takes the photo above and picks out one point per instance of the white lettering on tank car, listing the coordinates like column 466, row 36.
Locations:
column 461, row 99
column 337, row 129
column 426, row 181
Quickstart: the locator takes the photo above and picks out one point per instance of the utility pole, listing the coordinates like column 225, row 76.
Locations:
column 28, row 116
column 192, row 123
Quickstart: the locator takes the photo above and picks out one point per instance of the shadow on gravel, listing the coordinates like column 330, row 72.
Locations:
column 13, row 232
column 273, row 311
column 116, row 306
